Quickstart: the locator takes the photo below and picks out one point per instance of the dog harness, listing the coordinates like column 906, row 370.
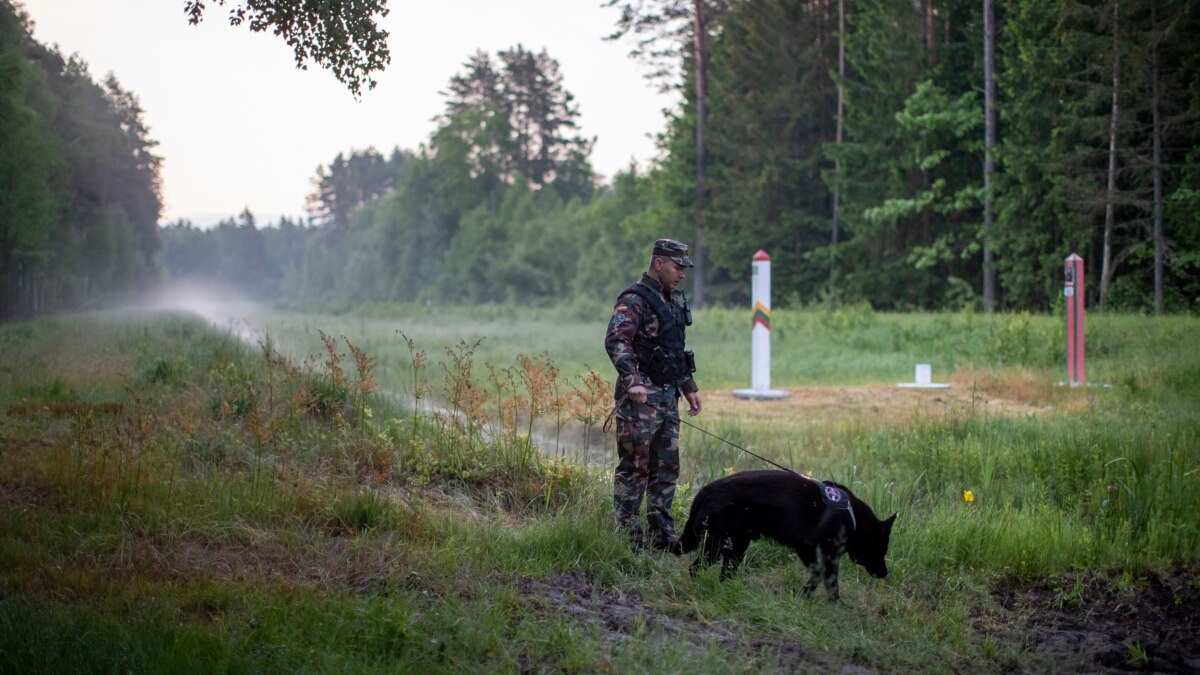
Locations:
column 836, row 499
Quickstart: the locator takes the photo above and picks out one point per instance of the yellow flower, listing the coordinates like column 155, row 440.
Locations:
column 808, row 473
column 729, row 471
column 968, row 496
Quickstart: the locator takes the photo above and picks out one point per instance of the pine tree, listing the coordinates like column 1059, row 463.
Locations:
column 515, row 118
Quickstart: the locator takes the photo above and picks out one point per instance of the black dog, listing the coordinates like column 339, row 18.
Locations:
column 820, row 521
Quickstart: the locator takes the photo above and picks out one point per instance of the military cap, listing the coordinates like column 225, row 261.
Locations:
column 675, row 250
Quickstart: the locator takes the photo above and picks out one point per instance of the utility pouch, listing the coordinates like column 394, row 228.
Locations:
column 658, row 360
column 689, row 358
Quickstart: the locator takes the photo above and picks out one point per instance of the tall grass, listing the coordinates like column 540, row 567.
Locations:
column 1111, row 470
column 173, row 500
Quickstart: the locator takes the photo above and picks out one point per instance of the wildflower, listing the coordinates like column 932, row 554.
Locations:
column 968, row 496
column 729, row 471
column 808, row 473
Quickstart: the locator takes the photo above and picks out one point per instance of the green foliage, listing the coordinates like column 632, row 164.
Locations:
column 78, row 178
column 350, row 182
column 501, row 207
column 344, row 38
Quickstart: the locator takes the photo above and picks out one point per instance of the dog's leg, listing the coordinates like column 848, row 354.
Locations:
column 709, row 548
column 812, row 560
column 832, row 554
column 733, row 549
column 831, row 578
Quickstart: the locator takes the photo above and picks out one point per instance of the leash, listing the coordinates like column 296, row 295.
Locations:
column 829, row 508
column 675, row 418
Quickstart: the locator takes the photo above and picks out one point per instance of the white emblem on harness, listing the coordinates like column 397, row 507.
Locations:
column 832, row 494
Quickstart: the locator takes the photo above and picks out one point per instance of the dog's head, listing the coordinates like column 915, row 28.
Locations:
column 869, row 545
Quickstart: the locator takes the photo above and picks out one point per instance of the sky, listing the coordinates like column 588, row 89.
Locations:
column 239, row 126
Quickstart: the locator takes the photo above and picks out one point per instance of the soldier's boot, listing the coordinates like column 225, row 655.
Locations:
column 661, row 537
column 627, row 521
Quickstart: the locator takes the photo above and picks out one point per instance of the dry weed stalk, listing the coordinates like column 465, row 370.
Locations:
column 362, row 366
column 504, row 382
column 416, row 360
column 539, row 377
column 366, row 382
column 592, row 400
column 590, row 403
column 420, row 385
column 333, row 360
column 465, row 397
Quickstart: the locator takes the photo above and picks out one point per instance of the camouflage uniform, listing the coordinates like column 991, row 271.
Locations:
column 647, row 434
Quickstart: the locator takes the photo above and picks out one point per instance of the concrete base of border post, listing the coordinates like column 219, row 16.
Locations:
column 760, row 394
column 923, row 379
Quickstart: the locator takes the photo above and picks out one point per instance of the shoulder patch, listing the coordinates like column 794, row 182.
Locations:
column 619, row 318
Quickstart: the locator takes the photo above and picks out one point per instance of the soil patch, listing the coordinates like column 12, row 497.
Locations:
column 1095, row 624
column 871, row 403
column 621, row 616
column 1089, row 624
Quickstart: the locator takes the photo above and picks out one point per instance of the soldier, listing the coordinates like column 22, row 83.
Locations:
column 645, row 341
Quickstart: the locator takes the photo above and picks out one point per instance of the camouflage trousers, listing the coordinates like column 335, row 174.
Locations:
column 647, row 465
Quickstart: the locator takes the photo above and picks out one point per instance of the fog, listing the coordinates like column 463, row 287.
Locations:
column 221, row 307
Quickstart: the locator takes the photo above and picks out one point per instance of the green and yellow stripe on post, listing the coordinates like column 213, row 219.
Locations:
column 762, row 315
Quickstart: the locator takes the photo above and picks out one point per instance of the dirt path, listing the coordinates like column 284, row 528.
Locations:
column 1096, row 624
column 1089, row 624
column 873, row 402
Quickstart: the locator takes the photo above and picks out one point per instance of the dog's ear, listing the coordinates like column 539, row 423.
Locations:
column 887, row 524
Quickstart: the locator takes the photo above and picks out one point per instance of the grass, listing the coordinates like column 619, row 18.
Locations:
column 174, row 500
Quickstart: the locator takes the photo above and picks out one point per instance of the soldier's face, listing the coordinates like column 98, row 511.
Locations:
column 670, row 273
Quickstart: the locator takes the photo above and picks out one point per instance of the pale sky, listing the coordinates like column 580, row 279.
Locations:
column 239, row 126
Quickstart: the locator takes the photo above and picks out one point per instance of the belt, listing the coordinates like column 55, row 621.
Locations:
column 661, row 393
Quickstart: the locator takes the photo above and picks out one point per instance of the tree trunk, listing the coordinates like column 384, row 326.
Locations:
column 837, row 164
column 1110, row 196
column 989, row 142
column 930, row 41
column 1159, row 244
column 701, row 56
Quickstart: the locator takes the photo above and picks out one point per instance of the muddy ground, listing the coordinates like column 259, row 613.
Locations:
column 1084, row 625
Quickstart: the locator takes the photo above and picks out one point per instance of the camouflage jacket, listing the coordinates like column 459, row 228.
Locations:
column 633, row 320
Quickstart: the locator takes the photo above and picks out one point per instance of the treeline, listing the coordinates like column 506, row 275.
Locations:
column 848, row 138
column 501, row 206
column 1097, row 142
column 79, row 181
column 880, row 198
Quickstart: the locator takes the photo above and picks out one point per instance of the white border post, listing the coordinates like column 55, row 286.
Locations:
column 760, row 332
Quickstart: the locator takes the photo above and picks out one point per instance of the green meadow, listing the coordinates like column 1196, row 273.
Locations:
column 422, row 489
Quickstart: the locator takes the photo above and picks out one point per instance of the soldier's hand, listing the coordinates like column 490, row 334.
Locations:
column 637, row 394
column 694, row 406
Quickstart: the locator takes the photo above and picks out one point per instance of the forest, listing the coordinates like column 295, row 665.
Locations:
column 924, row 155
column 80, row 191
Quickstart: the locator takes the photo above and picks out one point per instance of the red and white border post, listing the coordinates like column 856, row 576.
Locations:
column 1073, row 292
column 760, row 332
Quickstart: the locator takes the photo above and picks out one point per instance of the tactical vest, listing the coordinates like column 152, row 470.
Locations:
column 661, row 357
